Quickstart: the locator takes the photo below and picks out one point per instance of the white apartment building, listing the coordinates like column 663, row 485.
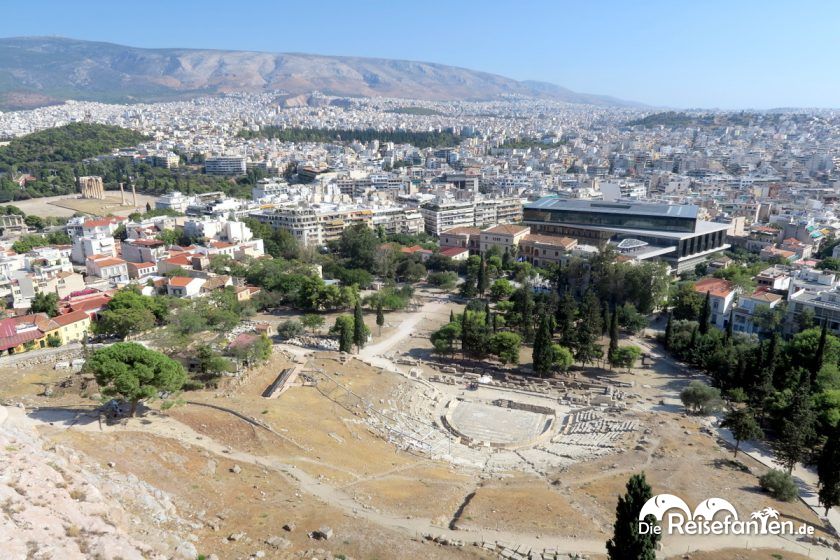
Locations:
column 315, row 224
column 267, row 188
column 447, row 214
column 84, row 247
column 396, row 219
column 614, row 190
column 175, row 201
column 218, row 228
column 93, row 237
column 108, row 268
column 143, row 250
column 225, row 165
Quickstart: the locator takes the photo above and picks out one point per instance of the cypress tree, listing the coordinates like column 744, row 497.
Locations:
column 705, row 314
column 487, row 317
column 727, row 337
column 543, row 354
column 819, row 355
column 669, row 332
column 589, row 329
column 693, row 343
column 380, row 317
column 797, row 428
column 770, row 361
column 465, row 327
column 613, row 338
column 607, row 318
column 828, row 470
column 451, row 315
column 482, row 276
column 359, row 334
column 345, row 334
column 507, row 259
column 627, row 543
column 566, row 320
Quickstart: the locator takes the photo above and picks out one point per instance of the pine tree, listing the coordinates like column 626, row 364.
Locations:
column 613, row 338
column 705, row 315
column 669, row 332
column 627, row 543
column 359, row 331
column 380, row 317
column 743, row 426
column 543, row 353
column 828, row 470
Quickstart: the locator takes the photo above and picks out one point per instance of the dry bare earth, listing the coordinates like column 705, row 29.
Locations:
column 326, row 468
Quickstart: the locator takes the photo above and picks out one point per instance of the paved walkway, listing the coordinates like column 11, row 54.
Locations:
column 805, row 477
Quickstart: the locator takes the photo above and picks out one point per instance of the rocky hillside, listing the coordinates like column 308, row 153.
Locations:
column 41, row 70
column 56, row 506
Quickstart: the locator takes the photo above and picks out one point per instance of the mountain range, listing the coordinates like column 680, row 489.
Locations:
column 37, row 71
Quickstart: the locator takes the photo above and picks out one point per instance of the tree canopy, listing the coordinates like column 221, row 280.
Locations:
column 134, row 373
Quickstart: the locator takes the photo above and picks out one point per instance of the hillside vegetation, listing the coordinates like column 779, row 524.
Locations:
column 70, row 143
column 418, row 139
column 55, row 157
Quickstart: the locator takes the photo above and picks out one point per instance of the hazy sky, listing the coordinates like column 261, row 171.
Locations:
column 679, row 53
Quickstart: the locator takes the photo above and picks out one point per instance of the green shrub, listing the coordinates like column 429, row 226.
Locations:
column 290, row 329
column 780, row 485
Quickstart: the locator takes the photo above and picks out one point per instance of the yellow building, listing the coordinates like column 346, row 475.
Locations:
column 73, row 326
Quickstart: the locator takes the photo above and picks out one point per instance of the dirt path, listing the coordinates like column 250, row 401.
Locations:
column 168, row 427
column 373, row 354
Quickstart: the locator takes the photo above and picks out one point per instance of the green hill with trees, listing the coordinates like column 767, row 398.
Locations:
column 431, row 139
column 70, row 143
column 55, row 157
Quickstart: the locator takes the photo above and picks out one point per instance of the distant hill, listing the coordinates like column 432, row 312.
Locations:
column 36, row 71
column 673, row 119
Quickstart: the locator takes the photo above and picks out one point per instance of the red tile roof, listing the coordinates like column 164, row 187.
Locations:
column 551, row 240
column 102, row 222
column 10, row 337
column 70, row 318
column 91, row 305
column 180, row 281
column 453, row 251
column 506, row 229
column 462, row 231
column 109, row 262
column 717, row 287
